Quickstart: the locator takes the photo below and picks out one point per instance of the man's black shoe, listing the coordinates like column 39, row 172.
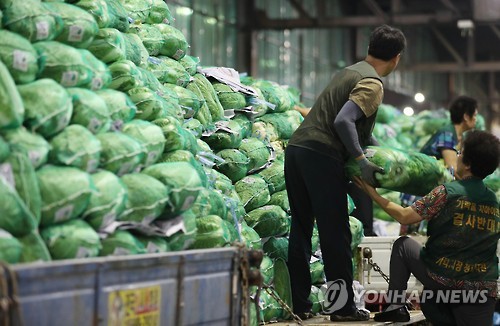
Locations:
column 305, row 315
column 398, row 315
column 357, row 315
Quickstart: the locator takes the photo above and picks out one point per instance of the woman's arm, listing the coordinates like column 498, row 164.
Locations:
column 404, row 215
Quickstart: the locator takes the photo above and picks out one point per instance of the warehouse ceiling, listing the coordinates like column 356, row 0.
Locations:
column 465, row 33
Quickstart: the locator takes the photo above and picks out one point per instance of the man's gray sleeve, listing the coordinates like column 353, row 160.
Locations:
column 346, row 128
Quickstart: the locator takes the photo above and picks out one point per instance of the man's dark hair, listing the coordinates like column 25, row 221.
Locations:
column 461, row 105
column 386, row 42
column 481, row 151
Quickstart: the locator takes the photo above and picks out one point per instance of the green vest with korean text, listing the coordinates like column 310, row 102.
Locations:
column 463, row 236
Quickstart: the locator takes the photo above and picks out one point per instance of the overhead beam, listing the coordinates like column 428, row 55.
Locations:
column 453, row 67
column 448, row 4
column 375, row 8
column 300, row 9
column 263, row 22
column 447, row 45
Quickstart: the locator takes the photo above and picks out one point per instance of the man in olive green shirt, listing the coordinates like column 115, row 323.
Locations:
column 336, row 128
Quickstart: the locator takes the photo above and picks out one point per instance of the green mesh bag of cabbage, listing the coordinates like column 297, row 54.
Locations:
column 409, row 172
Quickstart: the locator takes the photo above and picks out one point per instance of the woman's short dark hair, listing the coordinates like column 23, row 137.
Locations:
column 386, row 42
column 460, row 106
column 481, row 151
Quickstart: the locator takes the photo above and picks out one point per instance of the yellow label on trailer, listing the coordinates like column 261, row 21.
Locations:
column 135, row 307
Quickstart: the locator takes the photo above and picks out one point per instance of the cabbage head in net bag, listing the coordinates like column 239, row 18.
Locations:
column 11, row 103
column 19, row 56
column 234, row 164
column 268, row 221
column 168, row 70
column 276, row 247
column 149, row 135
column 121, row 243
column 280, row 199
column 71, row 239
column 120, row 106
column 151, row 37
column 89, row 110
column 101, row 75
column 147, row 11
column 125, row 75
column 108, row 45
column 75, row 146
column 409, row 172
column 227, row 135
column 63, row 64
column 228, row 98
column 120, row 154
column 190, row 63
column 34, row 144
column 176, row 137
column 146, row 198
column 174, row 42
column 108, row 200
column 275, row 94
column 10, row 248
column 264, row 131
column 33, row 20
column 79, row 26
column 65, row 193
column 250, row 237
column 18, row 168
column 211, row 96
column 150, row 105
column 284, row 123
column 98, row 9
column 182, row 180
column 209, row 202
column 274, row 175
column 253, row 192
column 257, row 151
column 357, row 232
column 135, row 50
column 185, row 156
column 48, row 106
column 211, row 232
column 153, row 244
column 188, row 100
column 34, row 248
column 4, row 149
column 183, row 238
column 118, row 17
column 15, row 216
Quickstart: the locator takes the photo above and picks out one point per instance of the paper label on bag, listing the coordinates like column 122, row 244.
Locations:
column 20, row 60
column 75, row 33
column 42, row 30
column 69, row 78
column 64, row 213
column 7, row 174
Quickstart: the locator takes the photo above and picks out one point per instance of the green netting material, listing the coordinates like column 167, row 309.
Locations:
column 34, row 144
column 65, row 193
column 174, row 41
column 121, row 243
column 183, row 181
column 280, row 199
column 71, row 239
column 227, row 135
column 48, row 106
column 149, row 135
column 183, row 239
column 409, row 172
column 153, row 244
column 79, row 26
column 146, row 198
column 235, row 164
column 274, row 175
column 277, row 247
column 10, row 248
column 212, row 233
column 268, row 221
column 120, row 154
column 75, row 146
column 34, row 248
column 19, row 56
column 107, row 201
column 253, row 192
column 257, row 151
column 120, row 106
